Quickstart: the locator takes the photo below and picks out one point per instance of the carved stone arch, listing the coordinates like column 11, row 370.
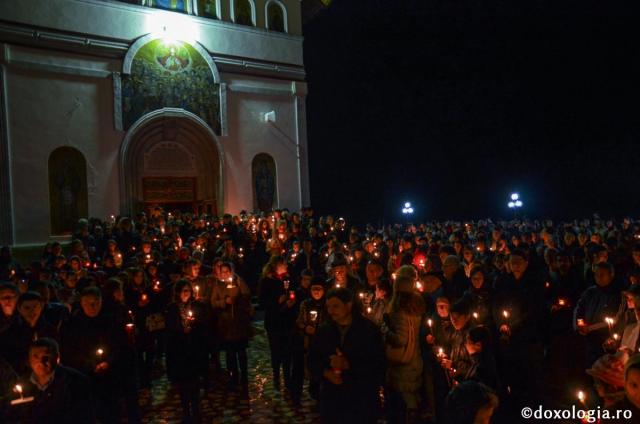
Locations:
column 201, row 157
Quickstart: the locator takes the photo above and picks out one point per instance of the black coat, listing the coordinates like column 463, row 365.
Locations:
column 66, row 400
column 15, row 342
column 277, row 316
column 81, row 338
column 356, row 399
column 186, row 350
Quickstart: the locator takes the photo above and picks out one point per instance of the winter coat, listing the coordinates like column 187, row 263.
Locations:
column 407, row 377
column 186, row 349
column 15, row 342
column 482, row 368
column 233, row 321
column 278, row 318
column 356, row 399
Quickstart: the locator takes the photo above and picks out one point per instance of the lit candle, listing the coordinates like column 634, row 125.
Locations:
column 369, row 309
column 475, row 315
column 99, row 353
column 156, row 286
column 430, row 323
column 313, row 315
column 616, row 337
column 229, row 283
column 337, row 285
column 582, row 397
column 610, row 321
column 361, row 295
column 292, row 295
column 197, row 289
column 18, row 389
column 562, row 302
column 144, row 297
column 129, row 328
column 419, row 286
column 441, row 354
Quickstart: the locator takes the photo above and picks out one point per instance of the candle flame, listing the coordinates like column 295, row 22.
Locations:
column 430, row 322
column 581, row 396
column 505, row 313
column 100, row 352
column 18, row 388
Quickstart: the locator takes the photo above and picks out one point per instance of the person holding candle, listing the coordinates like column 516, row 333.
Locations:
column 401, row 331
column 29, row 326
column 88, row 344
column 139, row 296
column 310, row 316
column 232, row 305
column 519, row 313
column 347, row 356
column 378, row 307
column 186, row 359
column 57, row 393
column 480, row 296
column 598, row 302
column 340, row 275
column 124, row 334
column 280, row 316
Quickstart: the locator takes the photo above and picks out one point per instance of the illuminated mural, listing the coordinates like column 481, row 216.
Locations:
column 263, row 168
column 170, row 74
column 170, row 4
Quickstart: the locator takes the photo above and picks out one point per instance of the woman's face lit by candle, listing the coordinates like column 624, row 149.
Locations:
column 477, row 279
column 443, row 309
column 185, row 294
column 317, row 292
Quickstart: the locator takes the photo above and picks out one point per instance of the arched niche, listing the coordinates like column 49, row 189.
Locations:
column 264, row 180
column 68, row 196
column 160, row 73
column 171, row 156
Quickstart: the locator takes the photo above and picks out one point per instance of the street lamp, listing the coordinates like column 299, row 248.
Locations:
column 515, row 202
column 407, row 210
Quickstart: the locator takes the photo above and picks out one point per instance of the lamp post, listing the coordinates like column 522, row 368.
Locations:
column 407, row 210
column 515, row 203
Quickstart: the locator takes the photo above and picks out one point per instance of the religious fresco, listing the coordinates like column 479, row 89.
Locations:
column 170, row 74
column 178, row 5
column 263, row 169
column 68, row 197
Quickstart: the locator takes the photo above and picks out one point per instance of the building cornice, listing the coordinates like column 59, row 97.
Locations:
column 43, row 38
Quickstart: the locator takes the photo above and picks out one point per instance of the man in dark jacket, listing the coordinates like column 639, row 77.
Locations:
column 60, row 394
column 89, row 345
column 518, row 314
column 347, row 356
column 597, row 303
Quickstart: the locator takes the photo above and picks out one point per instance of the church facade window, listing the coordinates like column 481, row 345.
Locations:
column 209, row 8
column 68, row 196
column 276, row 16
column 265, row 182
column 243, row 12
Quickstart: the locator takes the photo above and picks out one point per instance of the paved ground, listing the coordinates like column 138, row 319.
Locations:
column 264, row 404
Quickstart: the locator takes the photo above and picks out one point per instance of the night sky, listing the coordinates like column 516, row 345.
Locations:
column 454, row 104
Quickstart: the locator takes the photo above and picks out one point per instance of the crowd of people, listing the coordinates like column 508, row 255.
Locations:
column 443, row 322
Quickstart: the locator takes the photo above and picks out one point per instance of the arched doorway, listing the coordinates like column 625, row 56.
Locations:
column 171, row 158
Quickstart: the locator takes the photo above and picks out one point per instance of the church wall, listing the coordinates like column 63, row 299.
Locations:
column 47, row 110
column 249, row 98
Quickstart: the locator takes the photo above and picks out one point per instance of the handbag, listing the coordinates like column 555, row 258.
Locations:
column 155, row 322
column 404, row 354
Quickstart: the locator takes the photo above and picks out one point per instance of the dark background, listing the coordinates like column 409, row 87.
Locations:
column 454, row 104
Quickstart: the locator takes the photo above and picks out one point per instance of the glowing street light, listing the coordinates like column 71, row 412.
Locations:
column 407, row 210
column 515, row 202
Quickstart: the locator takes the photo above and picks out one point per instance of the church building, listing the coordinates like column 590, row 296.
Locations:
column 115, row 107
